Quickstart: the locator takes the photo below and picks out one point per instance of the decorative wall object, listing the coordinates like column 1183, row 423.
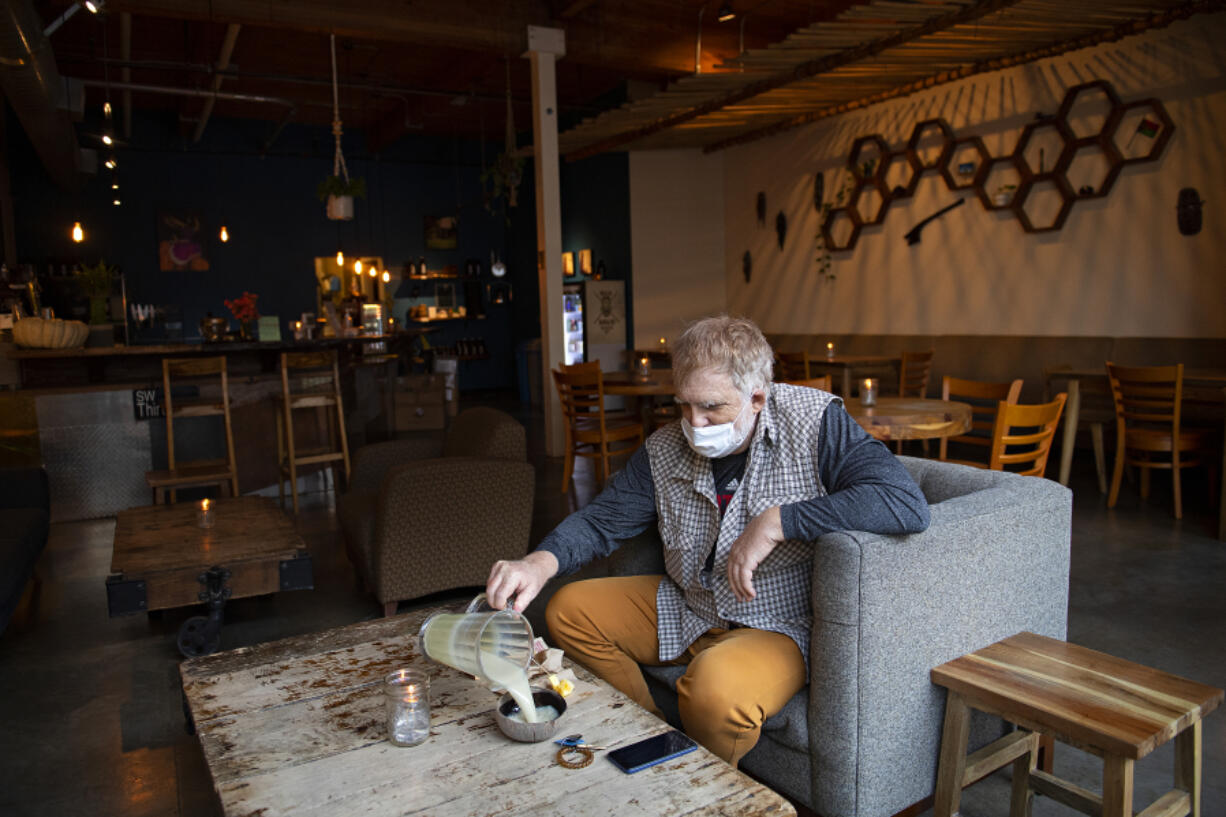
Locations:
column 1188, row 211
column 819, row 190
column 761, row 209
column 781, row 227
column 180, row 242
column 1130, row 133
column 441, row 233
column 747, row 265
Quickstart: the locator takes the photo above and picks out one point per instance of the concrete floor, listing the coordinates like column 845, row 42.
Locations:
column 91, row 711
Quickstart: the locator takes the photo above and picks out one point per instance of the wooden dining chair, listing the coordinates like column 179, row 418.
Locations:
column 913, row 374
column 208, row 374
column 913, row 371
column 591, row 431
column 792, row 366
column 1022, row 435
column 1149, row 433
column 984, row 399
column 310, row 381
column 822, row 382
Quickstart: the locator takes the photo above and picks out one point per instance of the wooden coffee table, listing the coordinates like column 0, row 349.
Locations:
column 163, row 558
column 297, row 726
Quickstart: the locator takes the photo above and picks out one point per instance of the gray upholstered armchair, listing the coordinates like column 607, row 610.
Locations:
column 862, row 739
column 426, row 515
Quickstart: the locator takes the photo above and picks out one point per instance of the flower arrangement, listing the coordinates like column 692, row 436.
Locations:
column 243, row 308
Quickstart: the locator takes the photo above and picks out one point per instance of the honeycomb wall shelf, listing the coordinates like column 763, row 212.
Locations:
column 1092, row 155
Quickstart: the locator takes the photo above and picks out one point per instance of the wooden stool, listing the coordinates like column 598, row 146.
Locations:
column 1110, row 707
column 195, row 473
column 319, row 389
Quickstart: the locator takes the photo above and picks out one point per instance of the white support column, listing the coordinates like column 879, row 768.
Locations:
column 545, row 46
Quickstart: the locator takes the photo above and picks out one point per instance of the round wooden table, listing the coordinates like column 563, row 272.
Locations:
column 659, row 383
column 911, row 418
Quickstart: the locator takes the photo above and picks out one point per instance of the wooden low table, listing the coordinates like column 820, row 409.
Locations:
column 163, row 558
column 911, row 418
column 297, row 726
column 1110, row 707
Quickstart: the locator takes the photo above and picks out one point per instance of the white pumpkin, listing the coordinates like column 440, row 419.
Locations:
column 49, row 333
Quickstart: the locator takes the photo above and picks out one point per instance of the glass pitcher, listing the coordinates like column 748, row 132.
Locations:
column 495, row 646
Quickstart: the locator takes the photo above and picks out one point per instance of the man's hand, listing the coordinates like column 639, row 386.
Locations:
column 754, row 544
column 522, row 579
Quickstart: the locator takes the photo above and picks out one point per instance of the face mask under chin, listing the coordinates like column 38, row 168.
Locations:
column 717, row 440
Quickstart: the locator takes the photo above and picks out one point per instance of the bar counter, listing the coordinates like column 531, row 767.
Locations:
column 78, row 411
column 140, row 363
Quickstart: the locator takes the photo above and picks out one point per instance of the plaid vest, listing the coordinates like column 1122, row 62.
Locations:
column 781, row 469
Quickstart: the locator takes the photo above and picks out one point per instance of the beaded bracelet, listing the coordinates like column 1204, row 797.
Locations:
column 587, row 755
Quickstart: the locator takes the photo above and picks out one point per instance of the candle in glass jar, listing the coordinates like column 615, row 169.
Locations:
column 644, row 370
column 206, row 514
column 407, row 701
column 868, row 391
column 830, row 349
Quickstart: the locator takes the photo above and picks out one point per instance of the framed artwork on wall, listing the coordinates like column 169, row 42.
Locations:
column 441, row 233
column 180, row 241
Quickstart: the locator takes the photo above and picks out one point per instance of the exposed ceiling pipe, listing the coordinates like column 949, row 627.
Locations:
column 125, row 53
column 223, row 62
column 45, row 103
column 142, row 88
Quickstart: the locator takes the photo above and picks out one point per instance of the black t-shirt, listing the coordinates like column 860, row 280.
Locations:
column 727, row 472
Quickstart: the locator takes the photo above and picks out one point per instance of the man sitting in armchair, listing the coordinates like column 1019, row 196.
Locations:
column 738, row 488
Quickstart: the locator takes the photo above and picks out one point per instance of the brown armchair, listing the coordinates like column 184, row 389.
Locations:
column 423, row 516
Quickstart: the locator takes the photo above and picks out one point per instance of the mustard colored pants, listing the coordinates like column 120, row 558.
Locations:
column 736, row 678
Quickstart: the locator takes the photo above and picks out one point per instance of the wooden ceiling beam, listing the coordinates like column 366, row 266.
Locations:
column 639, row 47
column 998, row 63
column 804, row 70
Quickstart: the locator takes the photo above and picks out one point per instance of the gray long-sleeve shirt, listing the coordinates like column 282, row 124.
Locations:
column 867, row 489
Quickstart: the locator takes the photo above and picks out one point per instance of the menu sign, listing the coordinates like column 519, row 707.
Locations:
column 147, row 403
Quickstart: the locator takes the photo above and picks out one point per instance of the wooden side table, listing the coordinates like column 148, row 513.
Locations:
column 1110, row 707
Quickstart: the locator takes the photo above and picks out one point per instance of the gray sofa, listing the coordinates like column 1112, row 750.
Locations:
column 25, row 519
column 862, row 739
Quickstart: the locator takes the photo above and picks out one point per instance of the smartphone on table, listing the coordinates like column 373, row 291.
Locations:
column 650, row 751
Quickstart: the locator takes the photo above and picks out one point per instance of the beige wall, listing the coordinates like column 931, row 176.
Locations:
column 1118, row 268
column 677, row 240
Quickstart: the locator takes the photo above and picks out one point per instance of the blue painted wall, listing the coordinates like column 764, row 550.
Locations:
column 277, row 225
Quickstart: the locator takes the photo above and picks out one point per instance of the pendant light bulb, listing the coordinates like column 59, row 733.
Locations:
column 107, row 140
column 374, row 272
column 111, row 163
column 387, row 277
column 116, row 202
column 357, row 266
column 225, row 234
column 340, row 258
column 78, row 235
column 106, row 109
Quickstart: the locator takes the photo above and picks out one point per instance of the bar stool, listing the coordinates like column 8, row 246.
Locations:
column 194, row 473
column 318, row 387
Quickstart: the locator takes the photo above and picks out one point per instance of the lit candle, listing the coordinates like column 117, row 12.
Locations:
column 868, row 391
column 644, row 367
column 206, row 514
column 830, row 348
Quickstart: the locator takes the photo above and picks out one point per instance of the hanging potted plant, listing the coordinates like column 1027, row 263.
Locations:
column 96, row 283
column 338, row 193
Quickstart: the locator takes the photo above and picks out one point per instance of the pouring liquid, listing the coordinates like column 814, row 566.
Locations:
column 515, row 678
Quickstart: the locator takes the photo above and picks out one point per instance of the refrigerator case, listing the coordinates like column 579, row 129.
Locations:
column 572, row 324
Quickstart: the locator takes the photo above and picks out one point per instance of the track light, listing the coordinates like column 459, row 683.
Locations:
column 116, row 202
column 111, row 164
column 107, row 140
column 726, row 13
column 94, row 6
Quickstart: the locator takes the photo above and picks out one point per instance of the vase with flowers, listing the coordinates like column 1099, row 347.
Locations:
column 245, row 312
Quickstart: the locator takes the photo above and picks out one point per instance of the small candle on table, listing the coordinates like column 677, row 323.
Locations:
column 206, row 514
column 868, row 391
column 644, row 367
column 830, row 348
